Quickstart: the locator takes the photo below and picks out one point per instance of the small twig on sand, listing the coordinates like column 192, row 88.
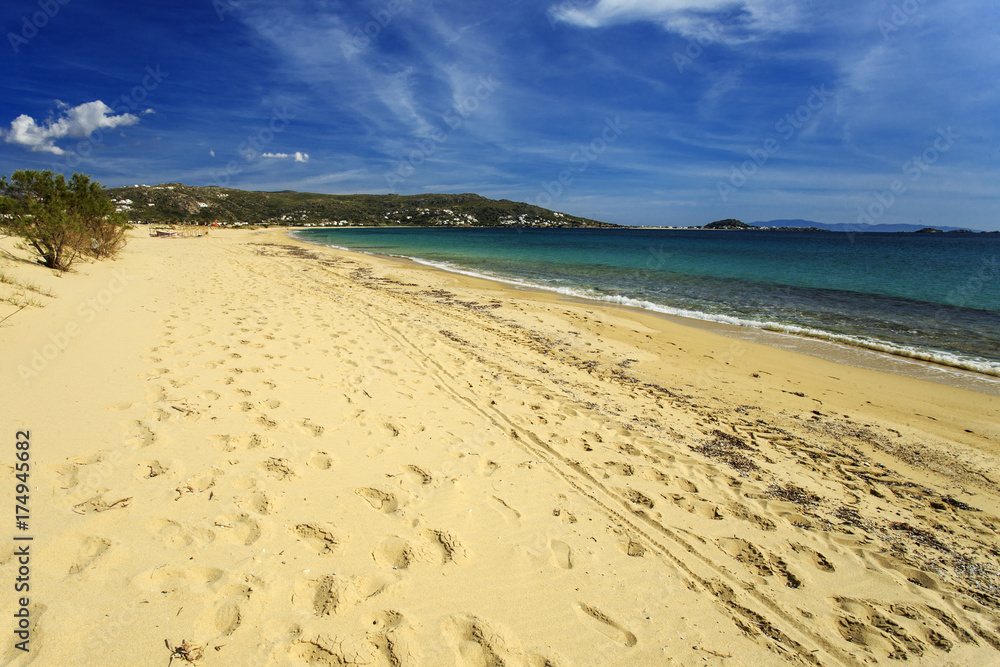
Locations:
column 14, row 313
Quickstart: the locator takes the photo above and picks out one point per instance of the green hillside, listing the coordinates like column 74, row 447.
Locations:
column 185, row 204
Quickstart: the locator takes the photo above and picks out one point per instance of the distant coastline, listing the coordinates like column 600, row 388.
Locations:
column 179, row 204
column 731, row 224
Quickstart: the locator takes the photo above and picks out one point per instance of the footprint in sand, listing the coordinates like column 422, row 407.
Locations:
column 198, row 484
column 390, row 638
column 238, row 528
column 331, row 594
column 280, row 631
column 169, row 580
column 156, row 394
column 318, row 537
column 741, row 511
column 620, row 468
column 140, row 435
column 654, row 475
column 321, row 461
column 632, row 548
column 278, row 468
column 324, row 595
column 265, row 422
column 687, row 485
column 382, row 501
column 225, row 615
column 442, row 547
column 173, row 534
column 226, row 618
column 150, row 469
column 258, row 502
column 606, row 626
column 818, row 560
column 486, row 468
column 865, row 626
column 310, row 428
column 230, row 443
column 418, row 475
column 394, row 552
column 746, row 553
column 90, row 549
column 638, row 499
column 69, row 472
column 318, row 650
column 509, row 514
column 476, row 644
column 562, row 556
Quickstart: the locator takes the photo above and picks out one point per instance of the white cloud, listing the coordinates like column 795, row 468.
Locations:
column 299, row 156
column 77, row 122
column 684, row 16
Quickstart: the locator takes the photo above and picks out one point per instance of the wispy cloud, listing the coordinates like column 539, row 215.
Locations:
column 683, row 16
column 78, row 122
column 299, row 156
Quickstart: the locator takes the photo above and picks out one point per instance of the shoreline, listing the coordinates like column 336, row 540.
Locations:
column 856, row 355
column 277, row 453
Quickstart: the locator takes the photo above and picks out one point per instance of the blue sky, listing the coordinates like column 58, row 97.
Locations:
column 655, row 112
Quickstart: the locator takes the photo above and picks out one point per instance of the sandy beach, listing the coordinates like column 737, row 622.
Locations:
column 246, row 450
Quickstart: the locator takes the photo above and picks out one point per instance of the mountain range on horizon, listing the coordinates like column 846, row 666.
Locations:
column 853, row 227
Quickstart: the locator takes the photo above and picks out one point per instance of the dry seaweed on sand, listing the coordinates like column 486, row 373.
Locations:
column 725, row 447
column 919, row 536
column 793, row 494
column 850, row 517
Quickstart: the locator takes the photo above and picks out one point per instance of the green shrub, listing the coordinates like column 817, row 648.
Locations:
column 61, row 220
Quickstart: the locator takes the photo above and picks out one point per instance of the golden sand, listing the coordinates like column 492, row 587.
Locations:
column 249, row 451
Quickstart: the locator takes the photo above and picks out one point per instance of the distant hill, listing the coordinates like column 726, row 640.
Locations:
column 849, row 227
column 729, row 223
column 186, row 204
column 733, row 224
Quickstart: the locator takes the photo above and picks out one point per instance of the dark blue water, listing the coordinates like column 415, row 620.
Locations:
column 929, row 296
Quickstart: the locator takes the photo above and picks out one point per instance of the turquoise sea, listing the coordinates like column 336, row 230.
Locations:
column 934, row 297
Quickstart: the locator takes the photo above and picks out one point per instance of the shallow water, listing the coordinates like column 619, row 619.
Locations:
column 932, row 297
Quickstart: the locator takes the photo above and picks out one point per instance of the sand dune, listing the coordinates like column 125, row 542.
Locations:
column 262, row 452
